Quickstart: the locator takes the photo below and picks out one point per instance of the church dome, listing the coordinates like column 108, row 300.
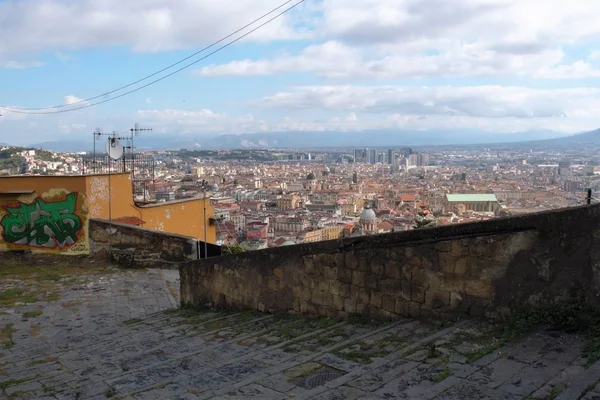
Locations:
column 287, row 243
column 368, row 215
column 310, row 177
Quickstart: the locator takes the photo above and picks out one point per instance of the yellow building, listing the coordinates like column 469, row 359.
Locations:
column 51, row 213
column 323, row 234
column 288, row 202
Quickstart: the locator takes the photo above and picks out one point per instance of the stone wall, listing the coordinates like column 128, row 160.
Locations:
column 136, row 247
column 477, row 269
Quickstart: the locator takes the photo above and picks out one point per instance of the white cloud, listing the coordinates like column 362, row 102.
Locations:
column 11, row 64
column 336, row 60
column 143, row 25
column 495, row 104
column 390, row 39
column 74, row 100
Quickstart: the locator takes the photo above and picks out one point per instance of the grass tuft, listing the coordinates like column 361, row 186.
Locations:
column 32, row 314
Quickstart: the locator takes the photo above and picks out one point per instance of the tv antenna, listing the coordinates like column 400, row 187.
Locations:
column 97, row 133
column 135, row 131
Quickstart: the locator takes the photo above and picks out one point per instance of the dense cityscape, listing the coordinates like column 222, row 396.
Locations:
column 270, row 198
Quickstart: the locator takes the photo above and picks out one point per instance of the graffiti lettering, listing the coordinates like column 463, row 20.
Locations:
column 78, row 247
column 40, row 224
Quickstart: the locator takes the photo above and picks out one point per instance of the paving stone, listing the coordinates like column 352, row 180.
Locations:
column 496, row 373
column 340, row 393
column 559, row 382
column 380, row 376
column 253, row 391
column 467, row 391
column 419, row 382
column 531, row 378
column 209, row 381
column 24, row 387
column 89, row 345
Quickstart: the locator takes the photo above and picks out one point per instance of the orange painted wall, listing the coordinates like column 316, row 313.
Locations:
column 184, row 217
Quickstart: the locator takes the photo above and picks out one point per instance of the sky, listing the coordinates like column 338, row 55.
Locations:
column 327, row 65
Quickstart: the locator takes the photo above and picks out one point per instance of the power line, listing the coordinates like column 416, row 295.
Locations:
column 88, row 105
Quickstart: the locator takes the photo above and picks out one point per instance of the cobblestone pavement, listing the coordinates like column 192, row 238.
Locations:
column 118, row 334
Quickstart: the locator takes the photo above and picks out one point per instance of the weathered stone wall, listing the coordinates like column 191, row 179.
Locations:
column 136, row 247
column 475, row 269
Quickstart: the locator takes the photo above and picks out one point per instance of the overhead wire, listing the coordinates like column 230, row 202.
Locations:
column 86, row 102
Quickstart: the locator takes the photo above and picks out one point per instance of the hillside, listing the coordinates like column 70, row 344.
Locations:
column 10, row 158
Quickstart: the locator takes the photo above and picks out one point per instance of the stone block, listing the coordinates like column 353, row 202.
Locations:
column 391, row 287
column 377, row 268
column 321, row 298
column 307, row 307
column 340, row 289
column 350, row 306
column 407, row 271
column 351, row 260
column 359, row 295
column 338, row 303
column 434, row 280
column 344, row 275
column 437, row 298
column 272, row 283
column 323, row 286
column 358, row 278
column 479, row 288
column 361, row 308
column 372, row 282
column 461, row 267
column 405, row 290
column 426, row 263
column 393, row 269
column 443, row 247
column 389, row 303
column 457, row 248
column 386, row 315
column 330, row 272
column 363, row 264
column 322, row 260
column 417, row 293
column 411, row 258
column 296, row 304
column 414, row 309
column 339, row 260
column 420, row 277
column 376, row 299
column 447, row 262
column 402, row 307
column 452, row 283
column 309, row 265
column 455, row 300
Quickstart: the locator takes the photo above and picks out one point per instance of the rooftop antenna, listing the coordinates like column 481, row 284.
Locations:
column 135, row 131
column 97, row 133
column 114, row 148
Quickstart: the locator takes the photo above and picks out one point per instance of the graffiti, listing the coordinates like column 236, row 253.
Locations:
column 79, row 248
column 42, row 224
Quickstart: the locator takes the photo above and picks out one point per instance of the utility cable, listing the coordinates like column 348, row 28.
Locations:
column 86, row 101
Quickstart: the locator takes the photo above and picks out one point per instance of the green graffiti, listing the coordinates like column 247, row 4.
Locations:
column 41, row 224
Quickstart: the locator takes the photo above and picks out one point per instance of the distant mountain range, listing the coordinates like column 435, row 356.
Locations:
column 336, row 139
